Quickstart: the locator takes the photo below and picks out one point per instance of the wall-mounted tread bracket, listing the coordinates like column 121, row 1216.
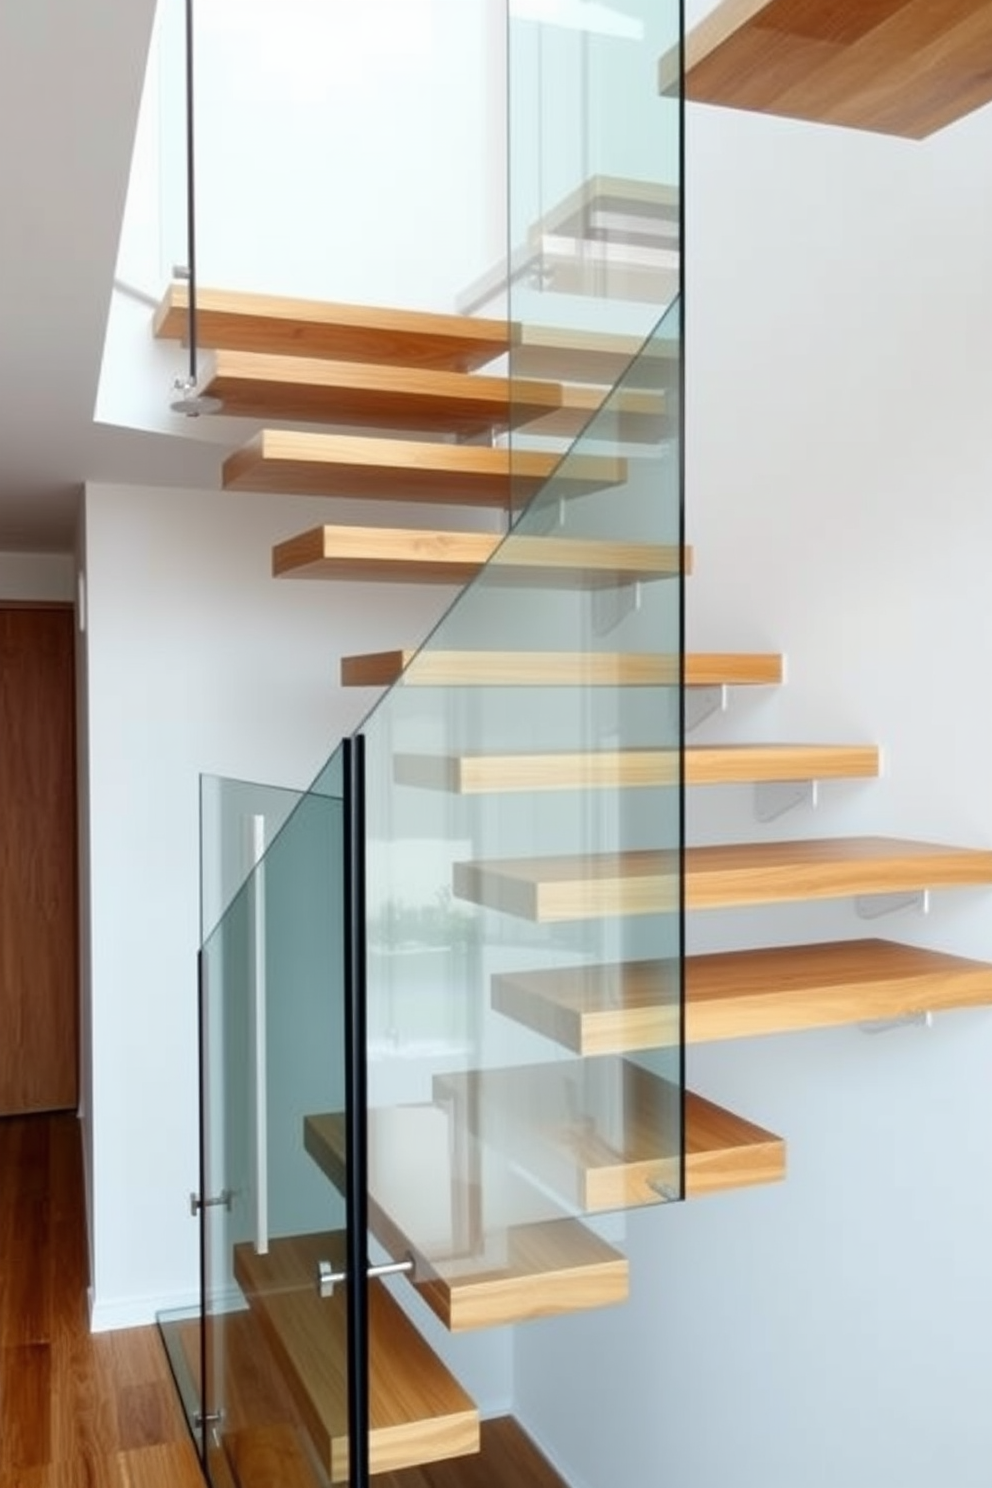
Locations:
column 702, row 702
column 773, row 798
column 906, row 1020
column 874, row 906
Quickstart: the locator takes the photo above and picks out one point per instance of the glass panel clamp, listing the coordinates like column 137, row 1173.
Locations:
column 223, row 1200
column 328, row 1278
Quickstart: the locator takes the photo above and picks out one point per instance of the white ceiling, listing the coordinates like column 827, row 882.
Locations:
column 71, row 74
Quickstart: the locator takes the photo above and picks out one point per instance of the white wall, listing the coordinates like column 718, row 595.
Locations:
column 38, row 576
column 835, row 1331
column 197, row 661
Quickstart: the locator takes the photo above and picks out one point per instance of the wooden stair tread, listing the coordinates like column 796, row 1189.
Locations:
column 579, row 355
column 513, row 1275
column 507, row 1458
column 405, row 469
column 431, row 556
column 397, row 555
column 317, row 390
column 621, row 1007
column 612, row 769
column 259, row 1456
column 418, row 1411
column 551, row 889
column 629, row 415
column 281, row 326
column 429, row 668
column 277, row 325
column 630, row 1157
column 892, row 66
column 364, row 394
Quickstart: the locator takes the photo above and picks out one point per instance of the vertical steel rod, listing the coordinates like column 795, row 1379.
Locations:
column 259, row 1037
column 356, row 1107
column 190, row 197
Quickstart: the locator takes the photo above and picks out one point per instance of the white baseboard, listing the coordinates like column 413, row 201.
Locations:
column 109, row 1314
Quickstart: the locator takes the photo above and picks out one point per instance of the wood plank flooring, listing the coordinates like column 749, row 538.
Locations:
column 84, row 1411
column 76, row 1411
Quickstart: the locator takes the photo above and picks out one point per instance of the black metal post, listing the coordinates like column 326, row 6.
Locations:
column 201, row 1002
column 356, row 1097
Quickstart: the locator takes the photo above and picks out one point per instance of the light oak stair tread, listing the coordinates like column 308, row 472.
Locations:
column 612, row 769
column 317, row 390
column 507, row 1458
column 408, row 470
column 598, row 357
column 627, row 415
column 418, row 555
column 627, row 1157
column 526, row 1271
column 897, row 67
column 282, row 326
column 546, row 890
column 392, row 554
column 363, row 394
column 573, row 215
column 261, row 1456
column 620, row 1007
column 429, row 668
column 418, row 1411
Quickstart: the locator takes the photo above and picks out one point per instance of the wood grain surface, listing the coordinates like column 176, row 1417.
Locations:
column 75, row 1409
column 38, row 900
column 509, row 1275
column 623, row 1006
column 646, row 882
column 314, row 390
column 282, row 326
column 610, row 1140
column 428, row 668
column 613, row 769
column 422, row 555
column 901, row 67
column 372, row 468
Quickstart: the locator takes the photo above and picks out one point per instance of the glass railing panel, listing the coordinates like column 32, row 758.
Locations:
column 375, row 130
column 238, row 820
column 273, row 1056
column 524, row 866
column 594, row 201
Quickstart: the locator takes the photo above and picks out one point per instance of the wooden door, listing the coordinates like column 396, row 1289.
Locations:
column 38, row 914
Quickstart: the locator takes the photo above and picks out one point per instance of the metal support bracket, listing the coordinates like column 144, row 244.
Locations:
column 905, row 1020
column 608, row 607
column 328, row 1278
column 874, row 906
column 701, row 703
column 773, row 798
column 223, row 1200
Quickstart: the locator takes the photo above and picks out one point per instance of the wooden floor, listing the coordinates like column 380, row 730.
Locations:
column 84, row 1411
column 75, row 1410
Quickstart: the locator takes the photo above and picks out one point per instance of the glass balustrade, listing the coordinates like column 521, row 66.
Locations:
column 273, row 1050
column 521, row 868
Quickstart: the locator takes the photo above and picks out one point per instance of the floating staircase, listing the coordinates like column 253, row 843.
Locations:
column 403, row 374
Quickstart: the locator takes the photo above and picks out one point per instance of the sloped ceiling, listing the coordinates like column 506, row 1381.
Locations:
column 71, row 74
